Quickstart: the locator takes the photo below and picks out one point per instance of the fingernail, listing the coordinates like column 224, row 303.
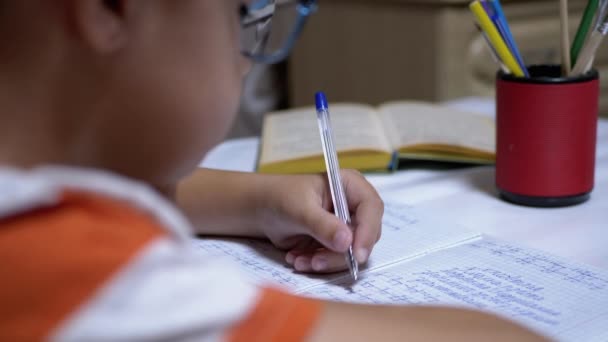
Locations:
column 341, row 240
column 302, row 264
column 290, row 257
column 319, row 264
column 362, row 254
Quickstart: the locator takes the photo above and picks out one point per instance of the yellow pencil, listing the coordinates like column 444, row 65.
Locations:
column 499, row 44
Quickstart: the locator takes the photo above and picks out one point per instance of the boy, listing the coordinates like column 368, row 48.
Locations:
column 105, row 100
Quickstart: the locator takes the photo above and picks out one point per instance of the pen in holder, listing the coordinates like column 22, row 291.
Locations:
column 546, row 128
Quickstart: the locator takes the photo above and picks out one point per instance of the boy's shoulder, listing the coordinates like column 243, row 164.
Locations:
column 59, row 218
column 91, row 256
column 67, row 229
column 113, row 197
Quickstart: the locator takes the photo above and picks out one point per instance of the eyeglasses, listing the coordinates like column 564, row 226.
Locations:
column 270, row 28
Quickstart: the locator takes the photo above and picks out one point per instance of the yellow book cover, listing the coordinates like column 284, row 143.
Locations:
column 375, row 139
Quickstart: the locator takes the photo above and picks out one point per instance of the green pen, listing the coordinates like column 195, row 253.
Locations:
column 583, row 29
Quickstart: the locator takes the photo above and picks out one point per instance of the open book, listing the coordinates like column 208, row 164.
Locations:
column 370, row 138
column 421, row 261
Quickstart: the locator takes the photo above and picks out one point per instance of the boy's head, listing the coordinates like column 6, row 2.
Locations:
column 141, row 87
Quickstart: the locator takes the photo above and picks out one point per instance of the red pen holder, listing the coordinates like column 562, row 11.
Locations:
column 546, row 128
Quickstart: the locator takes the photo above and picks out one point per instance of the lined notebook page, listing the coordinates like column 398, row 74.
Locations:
column 406, row 233
column 560, row 299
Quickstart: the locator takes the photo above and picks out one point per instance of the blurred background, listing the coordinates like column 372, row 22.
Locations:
column 372, row 51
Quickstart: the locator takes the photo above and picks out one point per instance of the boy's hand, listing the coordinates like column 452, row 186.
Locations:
column 298, row 216
column 294, row 212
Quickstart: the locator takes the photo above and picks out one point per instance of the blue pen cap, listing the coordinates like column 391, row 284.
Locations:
column 321, row 101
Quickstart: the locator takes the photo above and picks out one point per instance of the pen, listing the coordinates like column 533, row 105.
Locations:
column 585, row 62
column 600, row 12
column 497, row 41
column 492, row 51
column 333, row 174
column 565, row 37
column 587, row 55
column 583, row 29
column 498, row 17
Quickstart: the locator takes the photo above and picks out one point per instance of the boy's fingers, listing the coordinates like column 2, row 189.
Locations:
column 368, row 208
column 291, row 256
column 304, row 246
column 368, row 229
column 303, row 263
column 328, row 230
column 327, row 261
column 365, row 239
column 320, row 261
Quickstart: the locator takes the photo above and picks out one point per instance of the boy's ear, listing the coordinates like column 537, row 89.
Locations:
column 101, row 24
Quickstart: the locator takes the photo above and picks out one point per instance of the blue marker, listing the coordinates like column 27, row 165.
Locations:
column 499, row 19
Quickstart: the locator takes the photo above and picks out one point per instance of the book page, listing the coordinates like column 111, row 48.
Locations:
column 294, row 134
column 406, row 233
column 416, row 123
column 555, row 297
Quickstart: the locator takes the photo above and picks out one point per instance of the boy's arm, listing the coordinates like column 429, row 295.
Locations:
column 294, row 212
column 222, row 202
column 348, row 322
column 279, row 316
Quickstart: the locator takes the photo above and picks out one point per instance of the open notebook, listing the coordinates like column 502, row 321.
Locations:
column 423, row 261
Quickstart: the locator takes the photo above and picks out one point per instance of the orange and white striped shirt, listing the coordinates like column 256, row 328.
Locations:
column 91, row 256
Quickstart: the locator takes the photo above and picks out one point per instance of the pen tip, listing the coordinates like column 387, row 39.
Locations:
column 321, row 101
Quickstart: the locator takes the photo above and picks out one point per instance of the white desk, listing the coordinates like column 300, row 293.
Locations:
column 468, row 197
